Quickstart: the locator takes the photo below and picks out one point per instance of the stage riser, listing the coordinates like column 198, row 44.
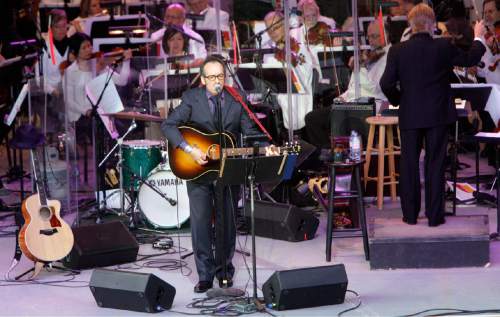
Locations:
column 463, row 241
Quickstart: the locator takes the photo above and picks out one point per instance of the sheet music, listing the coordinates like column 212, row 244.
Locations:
column 492, row 105
column 110, row 102
column 17, row 105
column 488, row 134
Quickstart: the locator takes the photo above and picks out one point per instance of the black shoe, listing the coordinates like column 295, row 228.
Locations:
column 410, row 222
column 437, row 223
column 229, row 283
column 203, row 286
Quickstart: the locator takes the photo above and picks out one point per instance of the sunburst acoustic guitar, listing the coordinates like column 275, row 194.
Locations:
column 183, row 165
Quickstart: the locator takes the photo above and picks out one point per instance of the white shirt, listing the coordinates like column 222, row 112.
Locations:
column 77, row 103
column 489, row 59
column 369, row 79
column 52, row 74
column 210, row 21
column 301, row 103
column 195, row 48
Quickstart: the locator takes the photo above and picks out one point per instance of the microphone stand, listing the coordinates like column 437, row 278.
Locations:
column 97, row 145
column 219, row 192
column 179, row 29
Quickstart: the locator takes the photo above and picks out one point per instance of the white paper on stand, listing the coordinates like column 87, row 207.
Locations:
column 17, row 105
column 110, row 101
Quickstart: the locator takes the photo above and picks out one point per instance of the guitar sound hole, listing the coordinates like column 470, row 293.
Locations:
column 45, row 213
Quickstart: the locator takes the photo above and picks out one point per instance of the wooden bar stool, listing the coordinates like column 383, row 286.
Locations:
column 385, row 126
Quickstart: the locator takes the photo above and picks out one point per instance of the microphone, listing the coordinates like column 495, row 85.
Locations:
column 218, row 88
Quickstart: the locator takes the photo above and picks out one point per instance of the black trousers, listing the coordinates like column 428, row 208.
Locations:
column 318, row 127
column 436, row 140
column 202, row 204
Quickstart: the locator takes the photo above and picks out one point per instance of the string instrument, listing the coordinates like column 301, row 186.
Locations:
column 45, row 236
column 185, row 167
column 372, row 56
column 280, row 55
column 494, row 35
column 493, row 67
column 99, row 55
column 319, row 34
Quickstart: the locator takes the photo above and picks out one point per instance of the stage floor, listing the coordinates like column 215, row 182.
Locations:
column 382, row 292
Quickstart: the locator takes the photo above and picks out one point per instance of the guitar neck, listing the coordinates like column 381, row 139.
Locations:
column 38, row 178
column 244, row 151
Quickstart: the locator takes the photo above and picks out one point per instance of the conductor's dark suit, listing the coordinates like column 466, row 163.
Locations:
column 416, row 78
column 194, row 110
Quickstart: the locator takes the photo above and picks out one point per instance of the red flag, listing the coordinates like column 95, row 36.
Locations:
column 51, row 46
column 381, row 26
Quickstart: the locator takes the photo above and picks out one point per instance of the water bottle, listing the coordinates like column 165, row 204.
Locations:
column 354, row 146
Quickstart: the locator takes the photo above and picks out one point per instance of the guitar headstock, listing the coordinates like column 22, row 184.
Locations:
column 291, row 147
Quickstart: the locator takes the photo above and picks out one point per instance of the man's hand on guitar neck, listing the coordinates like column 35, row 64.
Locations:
column 272, row 150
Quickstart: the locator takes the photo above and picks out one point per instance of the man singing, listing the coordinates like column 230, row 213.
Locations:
column 416, row 78
column 198, row 107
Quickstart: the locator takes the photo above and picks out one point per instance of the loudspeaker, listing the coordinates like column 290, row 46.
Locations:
column 142, row 292
column 282, row 221
column 101, row 245
column 309, row 287
column 345, row 117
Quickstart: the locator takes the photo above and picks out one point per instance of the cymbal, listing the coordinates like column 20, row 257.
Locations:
column 131, row 115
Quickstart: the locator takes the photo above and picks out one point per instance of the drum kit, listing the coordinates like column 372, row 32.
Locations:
column 146, row 178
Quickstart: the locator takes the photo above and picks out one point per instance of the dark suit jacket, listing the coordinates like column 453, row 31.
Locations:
column 416, row 78
column 195, row 111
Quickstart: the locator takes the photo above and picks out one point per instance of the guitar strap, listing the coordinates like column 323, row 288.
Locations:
column 233, row 92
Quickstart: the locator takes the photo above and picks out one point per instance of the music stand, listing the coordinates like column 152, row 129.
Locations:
column 270, row 75
column 479, row 97
column 237, row 171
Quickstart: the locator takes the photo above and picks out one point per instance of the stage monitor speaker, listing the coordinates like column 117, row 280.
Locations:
column 102, row 245
column 308, row 287
column 282, row 221
column 348, row 116
column 142, row 292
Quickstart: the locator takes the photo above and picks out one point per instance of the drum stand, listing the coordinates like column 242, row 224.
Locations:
column 118, row 145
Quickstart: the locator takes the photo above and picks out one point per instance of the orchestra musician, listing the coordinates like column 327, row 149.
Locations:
column 209, row 14
column 491, row 12
column 175, row 14
column 88, row 8
column 79, row 73
column 51, row 71
column 417, row 79
column 371, row 70
column 312, row 16
column 303, row 66
column 198, row 107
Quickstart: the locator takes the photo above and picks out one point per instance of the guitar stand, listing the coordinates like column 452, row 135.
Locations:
column 47, row 265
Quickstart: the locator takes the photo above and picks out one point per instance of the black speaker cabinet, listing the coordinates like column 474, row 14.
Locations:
column 102, row 245
column 282, row 221
column 309, row 287
column 140, row 292
column 345, row 117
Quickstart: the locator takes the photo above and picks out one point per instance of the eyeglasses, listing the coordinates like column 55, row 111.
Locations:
column 212, row 77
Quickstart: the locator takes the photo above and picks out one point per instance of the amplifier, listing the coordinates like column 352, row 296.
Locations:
column 348, row 116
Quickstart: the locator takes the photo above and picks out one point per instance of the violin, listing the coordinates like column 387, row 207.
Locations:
column 373, row 56
column 319, row 34
column 280, row 55
column 116, row 52
column 492, row 38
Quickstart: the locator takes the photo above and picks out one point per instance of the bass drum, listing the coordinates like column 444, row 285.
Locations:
column 157, row 210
